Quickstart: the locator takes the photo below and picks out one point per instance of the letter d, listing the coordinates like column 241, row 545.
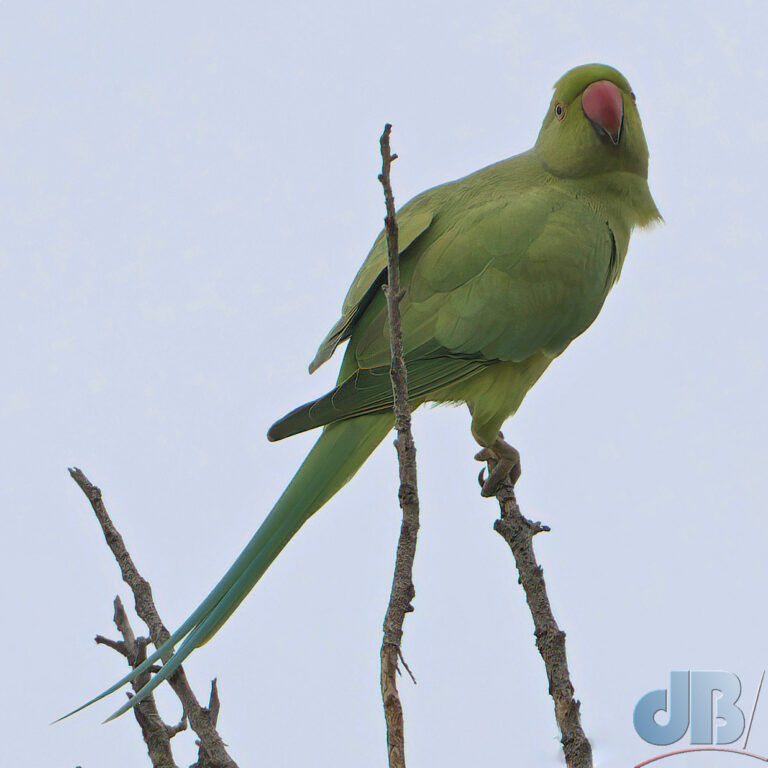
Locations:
column 656, row 701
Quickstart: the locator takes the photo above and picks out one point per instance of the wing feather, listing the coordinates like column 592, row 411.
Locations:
column 413, row 220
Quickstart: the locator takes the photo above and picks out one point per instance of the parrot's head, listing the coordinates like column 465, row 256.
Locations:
column 592, row 125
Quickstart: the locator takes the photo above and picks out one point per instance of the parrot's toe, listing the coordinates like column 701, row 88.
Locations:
column 485, row 455
column 504, row 462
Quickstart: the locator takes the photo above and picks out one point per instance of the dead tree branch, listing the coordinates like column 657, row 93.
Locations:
column 403, row 590
column 157, row 735
column 518, row 532
column 213, row 753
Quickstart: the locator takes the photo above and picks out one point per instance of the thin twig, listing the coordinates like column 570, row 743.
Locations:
column 518, row 532
column 403, row 590
column 215, row 753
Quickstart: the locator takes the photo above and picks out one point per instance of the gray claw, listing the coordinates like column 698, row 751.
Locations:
column 506, row 464
column 495, row 480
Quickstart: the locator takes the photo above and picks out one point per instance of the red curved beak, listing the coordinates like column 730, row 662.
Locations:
column 603, row 105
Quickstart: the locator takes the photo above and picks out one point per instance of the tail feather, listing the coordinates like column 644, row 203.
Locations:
column 340, row 451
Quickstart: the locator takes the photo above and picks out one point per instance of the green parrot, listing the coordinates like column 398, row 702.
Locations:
column 502, row 270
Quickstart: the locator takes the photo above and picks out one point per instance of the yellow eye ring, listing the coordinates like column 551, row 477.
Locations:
column 559, row 111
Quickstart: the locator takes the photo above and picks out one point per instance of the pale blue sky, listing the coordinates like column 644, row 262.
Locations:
column 187, row 190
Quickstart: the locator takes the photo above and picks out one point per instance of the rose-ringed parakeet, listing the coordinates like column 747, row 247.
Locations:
column 502, row 269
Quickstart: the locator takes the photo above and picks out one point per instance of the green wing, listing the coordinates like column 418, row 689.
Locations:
column 530, row 275
column 493, row 278
column 413, row 220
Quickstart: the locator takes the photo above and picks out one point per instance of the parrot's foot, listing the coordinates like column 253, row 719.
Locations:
column 506, row 463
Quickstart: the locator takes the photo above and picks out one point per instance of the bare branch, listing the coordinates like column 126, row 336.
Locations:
column 115, row 645
column 173, row 730
column 213, row 748
column 214, row 705
column 153, row 730
column 403, row 590
column 518, row 532
column 213, row 714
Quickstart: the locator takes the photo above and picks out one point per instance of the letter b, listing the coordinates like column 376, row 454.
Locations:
column 705, row 708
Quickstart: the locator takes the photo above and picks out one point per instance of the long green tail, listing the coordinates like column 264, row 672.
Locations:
column 341, row 450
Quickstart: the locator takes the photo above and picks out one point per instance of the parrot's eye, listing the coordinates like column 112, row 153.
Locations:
column 634, row 98
column 560, row 111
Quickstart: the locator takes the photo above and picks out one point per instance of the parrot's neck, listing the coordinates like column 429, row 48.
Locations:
column 622, row 196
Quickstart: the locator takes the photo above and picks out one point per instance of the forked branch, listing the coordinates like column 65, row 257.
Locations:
column 213, row 753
